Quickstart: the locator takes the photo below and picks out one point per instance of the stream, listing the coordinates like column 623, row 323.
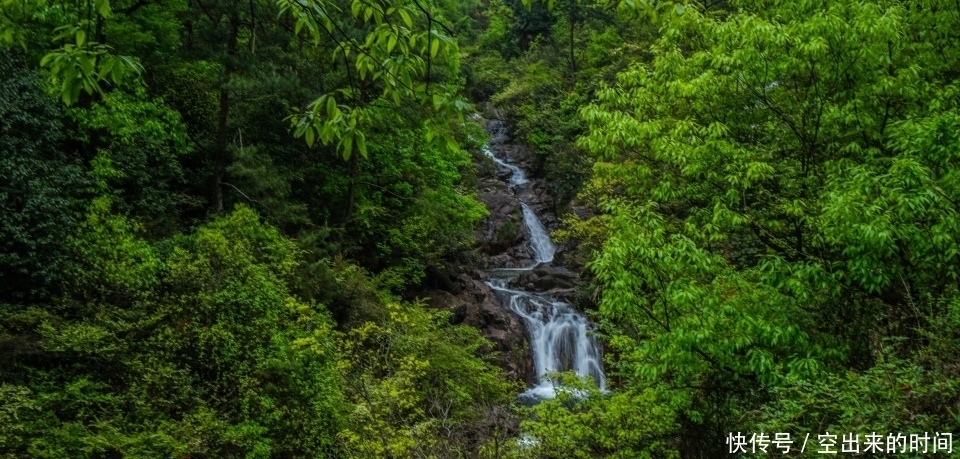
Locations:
column 559, row 334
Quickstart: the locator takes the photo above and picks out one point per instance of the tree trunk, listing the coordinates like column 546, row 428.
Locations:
column 351, row 194
column 573, row 60
column 220, row 152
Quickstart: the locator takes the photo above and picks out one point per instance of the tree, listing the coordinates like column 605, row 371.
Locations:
column 418, row 385
column 137, row 144
column 769, row 175
column 40, row 184
column 194, row 347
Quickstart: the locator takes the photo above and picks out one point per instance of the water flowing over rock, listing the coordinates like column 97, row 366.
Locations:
column 520, row 272
column 516, row 175
column 543, row 248
column 474, row 303
column 559, row 338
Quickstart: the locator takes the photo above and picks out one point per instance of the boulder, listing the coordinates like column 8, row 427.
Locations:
column 545, row 277
column 503, row 228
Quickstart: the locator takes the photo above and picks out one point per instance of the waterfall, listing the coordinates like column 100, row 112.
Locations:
column 517, row 177
column 559, row 338
column 543, row 248
column 559, row 334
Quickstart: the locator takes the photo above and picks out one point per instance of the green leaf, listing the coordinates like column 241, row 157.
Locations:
column 309, row 136
column 362, row 144
column 106, row 66
column 348, row 144
column 391, row 43
column 405, row 16
column 103, row 7
column 331, row 106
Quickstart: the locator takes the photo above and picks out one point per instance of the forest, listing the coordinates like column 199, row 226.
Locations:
column 329, row 228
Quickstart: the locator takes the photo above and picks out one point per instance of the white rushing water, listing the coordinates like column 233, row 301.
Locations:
column 559, row 338
column 559, row 334
column 543, row 248
column 517, row 177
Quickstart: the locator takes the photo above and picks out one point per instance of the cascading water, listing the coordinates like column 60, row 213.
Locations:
column 559, row 338
column 559, row 335
column 543, row 248
column 517, row 177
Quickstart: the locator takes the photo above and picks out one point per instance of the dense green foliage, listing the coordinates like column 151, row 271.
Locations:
column 193, row 348
column 38, row 182
column 141, row 317
column 770, row 219
column 216, row 217
column 779, row 223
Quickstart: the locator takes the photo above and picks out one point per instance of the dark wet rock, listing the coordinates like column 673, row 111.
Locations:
column 533, row 196
column 516, row 257
column 503, row 174
column 545, row 278
column 519, row 155
column 477, row 305
column 567, row 295
column 492, row 119
column 503, row 229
